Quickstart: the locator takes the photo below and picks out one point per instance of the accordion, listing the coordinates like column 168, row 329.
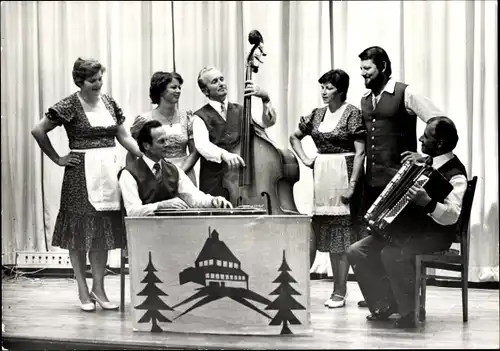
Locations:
column 393, row 199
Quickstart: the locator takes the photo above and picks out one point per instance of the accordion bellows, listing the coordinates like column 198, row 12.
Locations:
column 393, row 199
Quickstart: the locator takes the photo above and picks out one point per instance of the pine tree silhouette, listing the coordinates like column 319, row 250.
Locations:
column 153, row 304
column 285, row 303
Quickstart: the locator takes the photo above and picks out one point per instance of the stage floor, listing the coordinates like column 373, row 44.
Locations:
column 44, row 313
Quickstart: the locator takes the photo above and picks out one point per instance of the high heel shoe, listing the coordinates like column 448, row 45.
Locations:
column 88, row 307
column 105, row 305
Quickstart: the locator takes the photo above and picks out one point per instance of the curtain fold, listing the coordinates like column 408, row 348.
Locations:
column 446, row 50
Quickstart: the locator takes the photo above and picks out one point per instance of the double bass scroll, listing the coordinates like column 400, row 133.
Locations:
column 270, row 173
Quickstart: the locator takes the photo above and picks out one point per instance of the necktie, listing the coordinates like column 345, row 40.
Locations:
column 374, row 101
column 156, row 169
column 223, row 109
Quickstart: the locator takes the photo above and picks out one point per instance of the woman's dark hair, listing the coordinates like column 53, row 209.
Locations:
column 83, row 69
column 144, row 135
column 159, row 82
column 445, row 130
column 339, row 79
column 378, row 56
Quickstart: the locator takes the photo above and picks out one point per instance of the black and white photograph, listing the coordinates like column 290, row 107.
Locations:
column 250, row 175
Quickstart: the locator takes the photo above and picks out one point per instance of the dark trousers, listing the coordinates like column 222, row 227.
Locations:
column 386, row 271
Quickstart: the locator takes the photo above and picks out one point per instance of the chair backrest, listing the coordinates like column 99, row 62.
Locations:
column 463, row 233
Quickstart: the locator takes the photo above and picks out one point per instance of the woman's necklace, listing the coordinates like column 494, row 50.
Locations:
column 169, row 120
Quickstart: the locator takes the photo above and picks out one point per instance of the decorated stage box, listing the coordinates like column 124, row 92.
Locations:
column 220, row 274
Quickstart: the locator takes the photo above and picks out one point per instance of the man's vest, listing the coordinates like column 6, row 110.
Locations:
column 226, row 135
column 150, row 189
column 390, row 131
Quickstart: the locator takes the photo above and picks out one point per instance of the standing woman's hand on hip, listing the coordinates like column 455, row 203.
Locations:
column 69, row 160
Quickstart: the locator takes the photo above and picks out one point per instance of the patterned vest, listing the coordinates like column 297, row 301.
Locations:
column 150, row 190
column 226, row 135
column 390, row 131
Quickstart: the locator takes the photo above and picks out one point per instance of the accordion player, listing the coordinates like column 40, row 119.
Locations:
column 393, row 199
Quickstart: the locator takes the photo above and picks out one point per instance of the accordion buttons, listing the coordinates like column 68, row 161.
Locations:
column 373, row 137
column 374, row 120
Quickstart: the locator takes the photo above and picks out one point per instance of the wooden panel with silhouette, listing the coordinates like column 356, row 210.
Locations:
column 220, row 274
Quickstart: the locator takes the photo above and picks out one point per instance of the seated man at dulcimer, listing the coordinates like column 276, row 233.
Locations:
column 384, row 265
column 151, row 183
column 216, row 128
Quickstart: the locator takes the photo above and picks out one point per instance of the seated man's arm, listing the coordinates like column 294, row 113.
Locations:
column 131, row 200
column 447, row 213
column 191, row 195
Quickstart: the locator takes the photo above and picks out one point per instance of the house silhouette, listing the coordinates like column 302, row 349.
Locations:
column 215, row 266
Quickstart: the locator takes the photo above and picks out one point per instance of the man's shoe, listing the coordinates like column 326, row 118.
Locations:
column 362, row 303
column 381, row 314
column 407, row 321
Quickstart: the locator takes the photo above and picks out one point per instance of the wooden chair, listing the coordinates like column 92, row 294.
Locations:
column 449, row 260
column 123, row 261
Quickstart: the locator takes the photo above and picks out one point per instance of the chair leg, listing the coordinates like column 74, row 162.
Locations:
column 418, row 281
column 465, row 293
column 122, row 283
column 423, row 288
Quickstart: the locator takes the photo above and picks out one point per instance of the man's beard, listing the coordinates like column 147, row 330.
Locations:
column 375, row 82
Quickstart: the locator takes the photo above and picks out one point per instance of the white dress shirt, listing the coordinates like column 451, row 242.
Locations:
column 415, row 104
column 447, row 213
column 212, row 152
column 187, row 192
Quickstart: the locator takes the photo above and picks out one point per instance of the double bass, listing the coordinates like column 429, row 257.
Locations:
column 269, row 176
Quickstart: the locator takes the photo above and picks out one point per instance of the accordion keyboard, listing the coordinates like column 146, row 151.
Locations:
column 393, row 198
column 401, row 204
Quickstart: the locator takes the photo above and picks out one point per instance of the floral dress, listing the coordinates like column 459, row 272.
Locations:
column 79, row 226
column 178, row 134
column 335, row 233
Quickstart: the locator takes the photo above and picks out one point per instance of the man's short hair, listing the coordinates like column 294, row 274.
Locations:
column 144, row 135
column 378, row 56
column 204, row 70
column 445, row 130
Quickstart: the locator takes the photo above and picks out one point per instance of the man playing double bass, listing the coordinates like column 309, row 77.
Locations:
column 216, row 128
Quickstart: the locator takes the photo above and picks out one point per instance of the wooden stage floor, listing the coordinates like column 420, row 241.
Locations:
column 44, row 313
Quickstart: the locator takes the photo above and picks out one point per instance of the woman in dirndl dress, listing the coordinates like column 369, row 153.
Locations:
column 90, row 218
column 165, row 92
column 339, row 134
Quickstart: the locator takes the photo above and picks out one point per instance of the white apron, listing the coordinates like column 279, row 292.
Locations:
column 101, row 175
column 331, row 181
